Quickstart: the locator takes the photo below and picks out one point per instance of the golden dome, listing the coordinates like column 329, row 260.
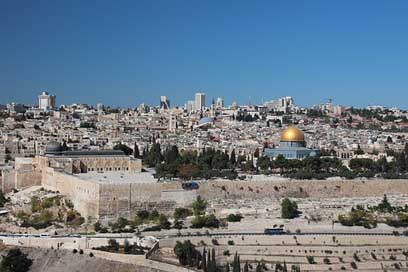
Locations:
column 292, row 134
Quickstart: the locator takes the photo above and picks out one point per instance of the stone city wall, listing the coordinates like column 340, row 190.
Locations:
column 301, row 188
column 125, row 199
column 83, row 194
column 110, row 201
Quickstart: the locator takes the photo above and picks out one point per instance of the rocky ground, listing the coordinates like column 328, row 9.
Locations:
column 48, row 260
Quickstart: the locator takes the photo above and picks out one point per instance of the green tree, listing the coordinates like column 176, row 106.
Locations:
column 204, row 261
column 359, row 151
column 127, row 248
column 164, row 222
column 199, row 206
column 233, row 158
column 127, row 150
column 181, row 213
column 259, row 268
column 385, row 206
column 289, row 209
column 187, row 253
column 136, row 152
column 234, row 217
column 154, row 155
column 3, row 199
column 15, row 261
column 113, row 245
column 246, row 267
column 236, row 264
column 143, row 215
column 263, row 163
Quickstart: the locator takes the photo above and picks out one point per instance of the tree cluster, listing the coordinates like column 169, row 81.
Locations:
column 15, row 261
column 370, row 216
column 309, row 168
column 187, row 254
column 323, row 167
column 171, row 163
column 127, row 150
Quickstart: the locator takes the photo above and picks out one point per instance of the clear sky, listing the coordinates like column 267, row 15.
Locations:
column 122, row 53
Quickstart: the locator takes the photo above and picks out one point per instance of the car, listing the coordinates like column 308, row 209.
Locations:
column 274, row 231
column 192, row 185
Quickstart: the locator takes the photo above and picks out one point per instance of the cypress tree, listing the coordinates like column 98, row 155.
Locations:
column 285, row 268
column 204, row 261
column 236, row 266
column 213, row 262
column 136, row 152
column 246, row 267
column 209, row 262
column 232, row 158
column 259, row 268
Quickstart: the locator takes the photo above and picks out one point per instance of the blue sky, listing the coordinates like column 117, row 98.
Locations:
column 122, row 53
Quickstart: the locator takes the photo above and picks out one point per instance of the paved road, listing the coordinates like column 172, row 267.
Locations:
column 158, row 234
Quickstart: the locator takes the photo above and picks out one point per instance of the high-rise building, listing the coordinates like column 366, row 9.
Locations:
column 99, row 107
column 172, row 123
column 282, row 104
column 46, row 101
column 164, row 102
column 199, row 101
column 190, row 106
column 220, row 103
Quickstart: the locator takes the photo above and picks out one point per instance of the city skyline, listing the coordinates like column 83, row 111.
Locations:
column 351, row 52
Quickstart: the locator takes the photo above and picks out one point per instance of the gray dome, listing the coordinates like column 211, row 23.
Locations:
column 53, row 147
column 205, row 120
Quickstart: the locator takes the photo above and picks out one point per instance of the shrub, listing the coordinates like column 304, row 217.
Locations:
column 310, row 259
column 91, row 254
column 208, row 221
column 181, row 213
column 81, row 251
column 393, row 258
column 289, row 209
column 353, row 265
column 226, row 253
column 395, row 233
column 74, row 251
column 234, row 218
column 231, row 242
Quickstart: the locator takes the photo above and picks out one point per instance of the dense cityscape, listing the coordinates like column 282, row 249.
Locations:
column 189, row 188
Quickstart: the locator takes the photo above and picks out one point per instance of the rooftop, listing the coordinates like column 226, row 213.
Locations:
column 118, row 177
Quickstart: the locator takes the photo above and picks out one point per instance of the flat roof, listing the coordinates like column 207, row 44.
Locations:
column 118, row 177
column 83, row 153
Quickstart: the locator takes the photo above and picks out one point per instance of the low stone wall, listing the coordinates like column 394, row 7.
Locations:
column 301, row 188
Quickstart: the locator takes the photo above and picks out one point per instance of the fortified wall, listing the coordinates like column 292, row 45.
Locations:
column 111, row 199
column 83, row 194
